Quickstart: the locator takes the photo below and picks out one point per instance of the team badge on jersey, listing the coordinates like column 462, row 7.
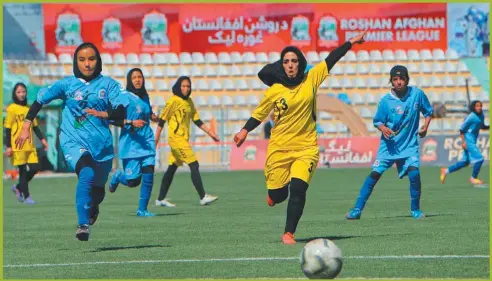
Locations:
column 399, row 110
column 78, row 96
column 416, row 106
column 102, row 94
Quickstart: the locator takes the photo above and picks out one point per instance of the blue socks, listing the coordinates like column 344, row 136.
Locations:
column 476, row 169
column 83, row 194
column 145, row 191
column 457, row 166
column 415, row 189
column 365, row 192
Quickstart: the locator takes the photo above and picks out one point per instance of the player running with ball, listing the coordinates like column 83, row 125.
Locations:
column 397, row 118
column 293, row 154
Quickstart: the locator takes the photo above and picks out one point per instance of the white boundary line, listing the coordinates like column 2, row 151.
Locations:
column 244, row 259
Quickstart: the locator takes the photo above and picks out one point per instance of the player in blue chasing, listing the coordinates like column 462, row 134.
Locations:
column 137, row 145
column 469, row 131
column 397, row 118
column 86, row 141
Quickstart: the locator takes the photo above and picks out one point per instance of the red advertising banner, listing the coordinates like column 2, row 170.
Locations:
column 339, row 152
column 136, row 28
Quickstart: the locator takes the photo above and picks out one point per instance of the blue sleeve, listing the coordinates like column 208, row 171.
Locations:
column 425, row 105
column 53, row 92
column 381, row 114
column 117, row 95
column 468, row 121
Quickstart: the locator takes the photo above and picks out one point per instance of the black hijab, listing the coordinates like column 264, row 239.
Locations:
column 177, row 87
column 142, row 92
column 274, row 72
column 14, row 97
column 76, row 71
column 472, row 107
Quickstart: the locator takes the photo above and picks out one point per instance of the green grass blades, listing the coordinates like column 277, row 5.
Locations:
column 239, row 236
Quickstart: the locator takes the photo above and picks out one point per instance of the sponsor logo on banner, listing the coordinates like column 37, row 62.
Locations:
column 299, row 31
column 111, row 34
column 327, row 32
column 250, row 153
column 154, row 32
column 429, row 150
column 68, row 32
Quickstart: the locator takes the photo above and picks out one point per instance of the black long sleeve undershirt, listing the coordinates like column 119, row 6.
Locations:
column 33, row 111
column 337, row 54
column 8, row 138
column 251, row 124
column 38, row 132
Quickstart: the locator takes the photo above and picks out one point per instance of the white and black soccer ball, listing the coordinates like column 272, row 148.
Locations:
column 321, row 259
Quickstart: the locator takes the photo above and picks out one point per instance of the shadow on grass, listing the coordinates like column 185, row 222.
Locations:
column 104, row 249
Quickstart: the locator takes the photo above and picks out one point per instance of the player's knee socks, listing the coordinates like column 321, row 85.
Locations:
column 97, row 194
column 366, row 189
column 415, row 188
column 476, row 168
column 279, row 195
column 133, row 182
column 145, row 191
column 458, row 165
column 167, row 179
column 83, row 194
column 23, row 185
column 197, row 179
column 297, row 200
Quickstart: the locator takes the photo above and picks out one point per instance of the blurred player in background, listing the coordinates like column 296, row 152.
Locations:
column 293, row 153
column 178, row 112
column 136, row 143
column 397, row 118
column 26, row 158
column 469, row 131
column 86, row 140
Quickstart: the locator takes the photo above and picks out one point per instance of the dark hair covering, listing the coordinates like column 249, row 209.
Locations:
column 76, row 71
column 142, row 92
column 274, row 72
column 177, row 87
column 14, row 97
column 471, row 107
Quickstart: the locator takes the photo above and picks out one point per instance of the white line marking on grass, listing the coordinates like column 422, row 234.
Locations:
column 246, row 259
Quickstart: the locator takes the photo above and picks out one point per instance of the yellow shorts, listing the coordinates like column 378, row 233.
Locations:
column 283, row 165
column 24, row 157
column 181, row 152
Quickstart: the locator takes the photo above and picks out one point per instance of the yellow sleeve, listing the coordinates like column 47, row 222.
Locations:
column 318, row 74
column 10, row 118
column 194, row 113
column 168, row 110
column 264, row 108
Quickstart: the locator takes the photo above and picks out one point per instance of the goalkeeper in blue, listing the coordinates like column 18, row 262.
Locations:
column 86, row 141
column 397, row 118
column 136, row 143
column 469, row 131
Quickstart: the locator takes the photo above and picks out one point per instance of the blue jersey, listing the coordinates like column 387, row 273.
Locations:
column 89, row 133
column 137, row 142
column 402, row 117
column 471, row 127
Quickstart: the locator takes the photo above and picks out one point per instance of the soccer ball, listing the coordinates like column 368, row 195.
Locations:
column 321, row 259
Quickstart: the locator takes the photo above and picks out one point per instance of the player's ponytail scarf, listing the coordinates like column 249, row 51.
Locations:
column 177, row 87
column 142, row 92
column 76, row 71
column 14, row 97
column 274, row 72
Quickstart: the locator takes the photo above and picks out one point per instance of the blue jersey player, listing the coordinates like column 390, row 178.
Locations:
column 397, row 117
column 137, row 145
column 86, row 140
column 469, row 131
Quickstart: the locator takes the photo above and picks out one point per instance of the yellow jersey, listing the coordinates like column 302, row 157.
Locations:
column 294, row 111
column 177, row 113
column 14, row 121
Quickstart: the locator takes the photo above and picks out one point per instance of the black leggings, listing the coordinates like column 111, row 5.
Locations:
column 25, row 177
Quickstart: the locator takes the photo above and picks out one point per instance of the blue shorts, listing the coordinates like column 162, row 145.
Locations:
column 133, row 166
column 472, row 155
column 73, row 153
column 402, row 164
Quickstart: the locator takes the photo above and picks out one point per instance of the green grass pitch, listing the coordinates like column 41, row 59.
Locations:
column 239, row 235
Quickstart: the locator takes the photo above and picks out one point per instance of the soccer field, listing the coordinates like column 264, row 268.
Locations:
column 239, row 235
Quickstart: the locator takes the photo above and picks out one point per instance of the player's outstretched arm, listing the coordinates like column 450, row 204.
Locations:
column 339, row 52
column 158, row 131
column 427, row 111
column 209, row 132
column 259, row 114
column 116, row 120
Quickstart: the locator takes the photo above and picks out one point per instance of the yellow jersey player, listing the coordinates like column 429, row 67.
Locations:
column 26, row 157
column 292, row 154
column 178, row 112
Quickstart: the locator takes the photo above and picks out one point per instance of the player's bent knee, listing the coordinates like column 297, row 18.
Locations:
column 135, row 182
column 98, row 194
column 85, row 161
column 413, row 168
column 148, row 169
column 375, row 175
column 298, row 186
column 279, row 195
